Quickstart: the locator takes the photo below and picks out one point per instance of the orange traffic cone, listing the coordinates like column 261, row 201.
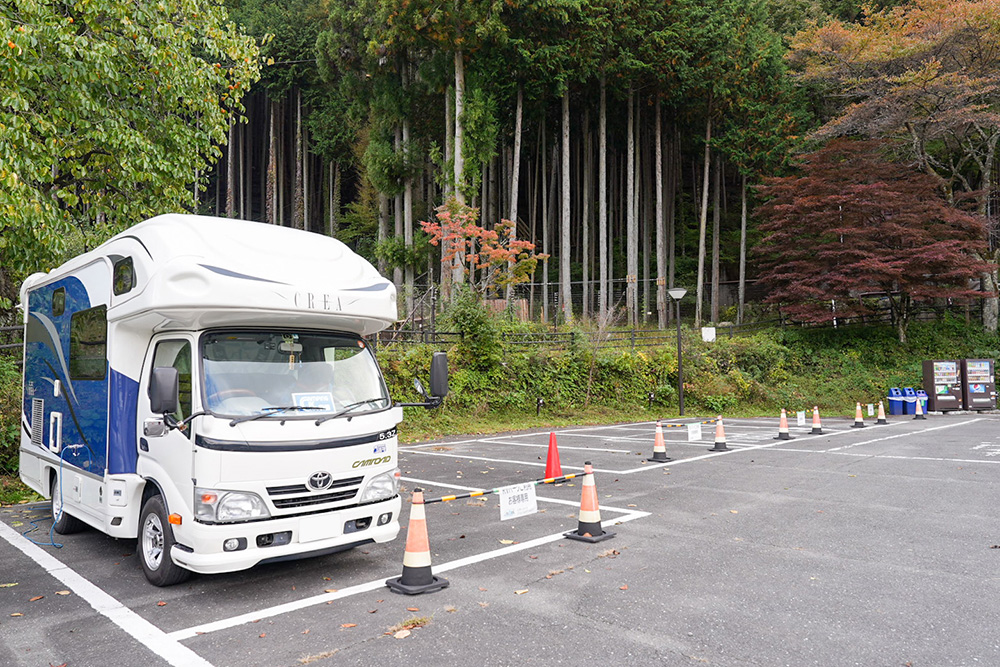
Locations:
column 881, row 414
column 417, row 576
column 783, row 427
column 817, row 425
column 919, row 413
column 552, row 467
column 659, row 449
column 720, row 437
column 589, row 528
column 859, row 421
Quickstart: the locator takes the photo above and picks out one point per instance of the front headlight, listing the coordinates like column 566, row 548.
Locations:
column 381, row 487
column 228, row 506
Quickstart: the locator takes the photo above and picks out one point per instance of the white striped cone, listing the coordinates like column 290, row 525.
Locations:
column 881, row 414
column 817, row 425
column 720, row 437
column 589, row 528
column 859, row 421
column 417, row 576
column 659, row 448
column 919, row 411
column 783, row 427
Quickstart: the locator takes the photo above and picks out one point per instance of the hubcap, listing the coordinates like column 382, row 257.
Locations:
column 152, row 541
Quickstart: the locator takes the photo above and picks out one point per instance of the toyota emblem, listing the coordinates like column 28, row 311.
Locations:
column 320, row 480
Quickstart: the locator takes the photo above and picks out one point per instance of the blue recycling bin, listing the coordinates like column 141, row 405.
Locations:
column 896, row 401
column 922, row 397
column 909, row 401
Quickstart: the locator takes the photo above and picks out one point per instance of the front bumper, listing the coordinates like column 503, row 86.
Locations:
column 199, row 547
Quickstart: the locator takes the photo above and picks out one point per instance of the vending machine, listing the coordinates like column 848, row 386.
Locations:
column 979, row 389
column 943, row 384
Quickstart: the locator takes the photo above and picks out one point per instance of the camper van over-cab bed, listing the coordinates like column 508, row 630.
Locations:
column 204, row 385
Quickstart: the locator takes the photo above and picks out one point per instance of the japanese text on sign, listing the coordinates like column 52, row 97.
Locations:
column 517, row 500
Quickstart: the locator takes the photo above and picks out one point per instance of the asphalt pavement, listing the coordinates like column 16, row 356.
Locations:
column 860, row 546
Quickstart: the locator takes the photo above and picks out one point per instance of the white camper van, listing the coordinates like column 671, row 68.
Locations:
column 204, row 385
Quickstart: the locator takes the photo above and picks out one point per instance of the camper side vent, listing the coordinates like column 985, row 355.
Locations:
column 37, row 419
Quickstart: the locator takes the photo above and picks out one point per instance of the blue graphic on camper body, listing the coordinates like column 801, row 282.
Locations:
column 82, row 403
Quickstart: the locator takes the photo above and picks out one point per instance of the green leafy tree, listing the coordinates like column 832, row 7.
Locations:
column 109, row 113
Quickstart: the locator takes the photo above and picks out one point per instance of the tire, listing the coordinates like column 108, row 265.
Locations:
column 156, row 537
column 62, row 521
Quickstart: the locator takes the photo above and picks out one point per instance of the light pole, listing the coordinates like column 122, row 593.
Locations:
column 677, row 293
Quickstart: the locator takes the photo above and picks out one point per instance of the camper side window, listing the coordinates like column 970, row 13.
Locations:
column 88, row 344
column 124, row 276
column 177, row 353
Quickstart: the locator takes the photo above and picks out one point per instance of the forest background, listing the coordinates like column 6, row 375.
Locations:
column 826, row 158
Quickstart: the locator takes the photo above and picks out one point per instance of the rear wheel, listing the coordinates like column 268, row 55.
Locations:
column 155, row 541
column 63, row 522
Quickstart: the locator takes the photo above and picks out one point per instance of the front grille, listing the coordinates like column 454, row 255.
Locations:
column 306, row 501
column 340, row 490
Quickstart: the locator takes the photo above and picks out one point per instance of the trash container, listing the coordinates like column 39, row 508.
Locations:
column 922, row 397
column 896, row 401
column 909, row 401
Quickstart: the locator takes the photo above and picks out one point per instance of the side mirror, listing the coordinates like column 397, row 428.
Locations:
column 164, row 389
column 439, row 375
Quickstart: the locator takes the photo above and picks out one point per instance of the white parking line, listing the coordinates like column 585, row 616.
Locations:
column 375, row 584
column 903, row 435
column 147, row 634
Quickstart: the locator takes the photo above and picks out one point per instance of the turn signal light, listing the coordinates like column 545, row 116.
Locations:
column 174, row 519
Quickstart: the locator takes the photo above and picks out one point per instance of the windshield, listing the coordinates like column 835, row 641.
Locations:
column 289, row 374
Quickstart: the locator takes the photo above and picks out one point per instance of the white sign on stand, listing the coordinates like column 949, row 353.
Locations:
column 517, row 500
column 800, row 418
column 871, row 410
column 708, row 334
column 694, row 432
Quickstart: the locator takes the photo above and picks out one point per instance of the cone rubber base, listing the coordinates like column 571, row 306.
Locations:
column 589, row 538
column 857, row 425
column 881, row 421
column 816, row 431
column 720, row 447
column 919, row 417
column 660, row 460
column 783, row 436
column 397, row 586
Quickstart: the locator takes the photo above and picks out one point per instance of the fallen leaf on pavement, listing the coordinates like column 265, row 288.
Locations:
column 330, row 590
column 262, row 635
column 36, row 598
column 161, row 603
column 506, row 541
column 623, row 588
column 402, row 634
column 521, row 592
column 8, row 585
column 17, row 613
column 348, row 625
column 305, row 632
column 62, row 592
column 450, row 609
column 413, row 609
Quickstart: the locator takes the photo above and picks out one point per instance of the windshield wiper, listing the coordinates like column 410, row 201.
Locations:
column 349, row 408
column 271, row 410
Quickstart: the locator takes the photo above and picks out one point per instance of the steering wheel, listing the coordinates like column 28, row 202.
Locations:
column 232, row 393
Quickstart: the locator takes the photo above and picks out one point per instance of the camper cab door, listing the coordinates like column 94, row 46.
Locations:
column 165, row 455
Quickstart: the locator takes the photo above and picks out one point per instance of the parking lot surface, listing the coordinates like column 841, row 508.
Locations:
column 860, row 546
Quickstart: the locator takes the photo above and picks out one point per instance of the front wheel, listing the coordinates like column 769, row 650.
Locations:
column 155, row 540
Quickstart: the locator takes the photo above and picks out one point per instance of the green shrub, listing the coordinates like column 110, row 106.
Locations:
column 10, row 413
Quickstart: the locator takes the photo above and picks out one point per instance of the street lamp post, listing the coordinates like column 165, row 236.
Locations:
column 677, row 293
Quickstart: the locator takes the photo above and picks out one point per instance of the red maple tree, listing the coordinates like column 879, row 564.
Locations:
column 853, row 224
